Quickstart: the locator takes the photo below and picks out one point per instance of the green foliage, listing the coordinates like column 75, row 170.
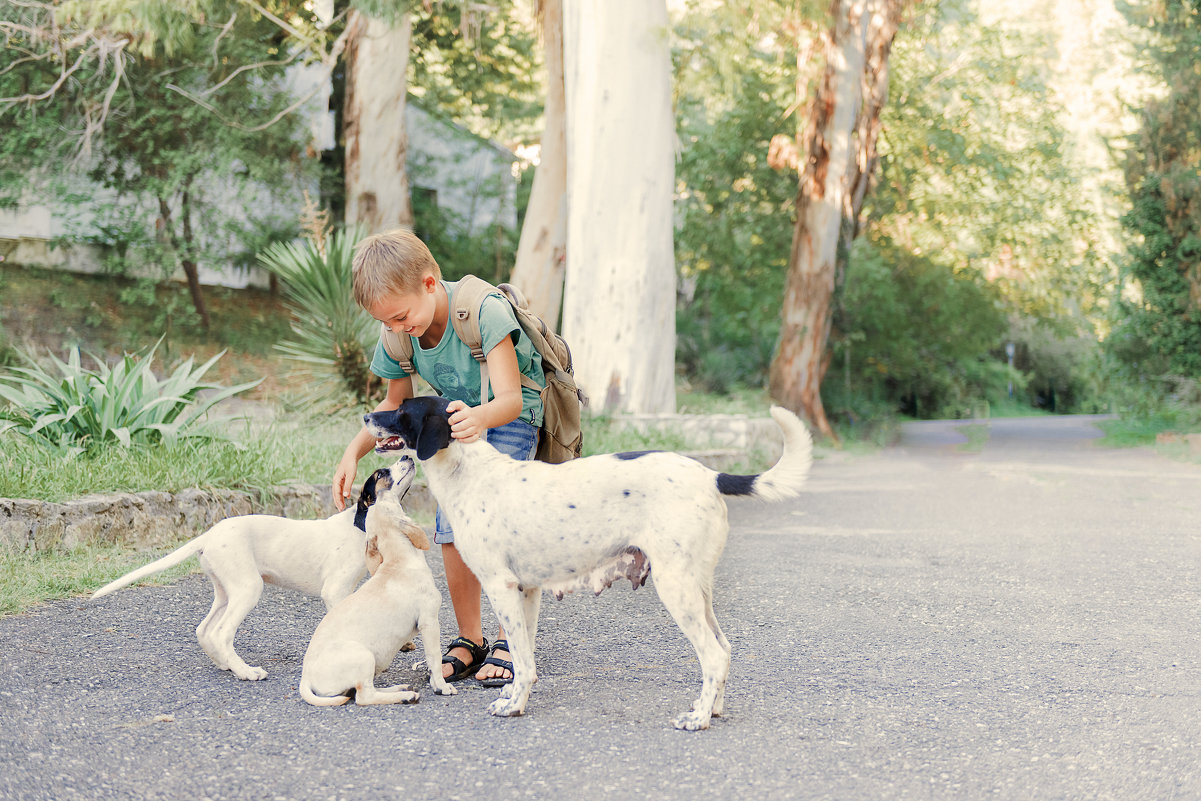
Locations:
column 78, row 409
column 735, row 214
column 975, row 168
column 914, row 336
column 1159, row 326
column 188, row 127
column 332, row 337
column 1059, row 373
column 480, row 66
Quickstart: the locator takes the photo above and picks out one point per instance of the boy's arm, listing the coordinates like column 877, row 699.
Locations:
column 399, row 389
column 467, row 423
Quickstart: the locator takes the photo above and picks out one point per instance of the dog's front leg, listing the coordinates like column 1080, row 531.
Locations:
column 509, row 604
column 431, row 641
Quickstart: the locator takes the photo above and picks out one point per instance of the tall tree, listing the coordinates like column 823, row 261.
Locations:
column 542, row 249
column 373, row 121
column 619, row 297
column 171, row 109
column 837, row 154
column 1160, row 334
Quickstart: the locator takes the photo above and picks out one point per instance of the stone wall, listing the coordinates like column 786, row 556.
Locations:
column 155, row 519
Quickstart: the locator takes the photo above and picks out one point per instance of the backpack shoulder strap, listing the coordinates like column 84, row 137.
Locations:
column 464, row 312
column 399, row 347
column 465, row 303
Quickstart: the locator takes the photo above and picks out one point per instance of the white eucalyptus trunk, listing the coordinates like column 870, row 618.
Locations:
column 620, row 293
column 542, row 251
column 377, row 143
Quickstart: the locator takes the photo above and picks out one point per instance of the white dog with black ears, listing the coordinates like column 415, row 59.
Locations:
column 523, row 527
column 239, row 554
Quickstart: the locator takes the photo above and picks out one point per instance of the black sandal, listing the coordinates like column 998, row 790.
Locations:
column 498, row 681
column 461, row 670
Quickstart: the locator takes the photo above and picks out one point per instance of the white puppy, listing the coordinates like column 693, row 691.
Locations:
column 527, row 526
column 239, row 554
column 360, row 636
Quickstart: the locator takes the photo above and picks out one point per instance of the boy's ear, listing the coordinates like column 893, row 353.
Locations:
column 434, row 436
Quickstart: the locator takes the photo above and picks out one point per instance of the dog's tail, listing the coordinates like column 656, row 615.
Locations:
column 189, row 548
column 306, row 692
column 785, row 478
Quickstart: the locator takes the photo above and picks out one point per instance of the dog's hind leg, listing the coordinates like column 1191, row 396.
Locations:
column 532, row 605
column 242, row 589
column 204, row 632
column 685, row 600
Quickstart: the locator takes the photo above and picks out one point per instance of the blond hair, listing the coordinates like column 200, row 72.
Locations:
column 394, row 262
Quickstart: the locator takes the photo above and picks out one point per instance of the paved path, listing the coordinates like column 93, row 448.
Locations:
column 1015, row 620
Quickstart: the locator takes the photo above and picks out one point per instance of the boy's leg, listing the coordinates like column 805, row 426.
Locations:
column 464, row 589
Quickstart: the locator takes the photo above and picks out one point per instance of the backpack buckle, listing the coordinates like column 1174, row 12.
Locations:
column 462, row 314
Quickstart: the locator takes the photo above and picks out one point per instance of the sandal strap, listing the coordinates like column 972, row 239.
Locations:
column 500, row 645
column 478, row 652
column 504, row 663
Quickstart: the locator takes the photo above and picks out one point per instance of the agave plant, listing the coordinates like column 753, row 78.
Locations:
column 332, row 338
column 67, row 405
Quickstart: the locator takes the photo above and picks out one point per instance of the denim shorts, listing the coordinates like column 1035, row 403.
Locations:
column 518, row 439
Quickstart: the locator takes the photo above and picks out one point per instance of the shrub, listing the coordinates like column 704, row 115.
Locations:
column 332, row 338
column 69, row 406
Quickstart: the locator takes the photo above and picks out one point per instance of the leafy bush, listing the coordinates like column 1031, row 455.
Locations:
column 914, row 336
column 332, row 337
column 72, row 407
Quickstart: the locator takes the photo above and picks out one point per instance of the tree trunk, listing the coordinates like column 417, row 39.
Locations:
column 828, row 146
column 183, row 248
column 373, row 123
column 542, row 251
column 620, row 292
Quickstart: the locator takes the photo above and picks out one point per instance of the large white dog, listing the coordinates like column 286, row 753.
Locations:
column 360, row 636
column 527, row 526
column 239, row 554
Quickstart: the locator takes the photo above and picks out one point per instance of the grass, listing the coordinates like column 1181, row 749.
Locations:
column 31, row 577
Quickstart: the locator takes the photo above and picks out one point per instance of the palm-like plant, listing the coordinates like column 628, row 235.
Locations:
column 67, row 405
column 332, row 338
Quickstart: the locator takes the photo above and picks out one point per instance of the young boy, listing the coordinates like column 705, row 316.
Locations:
column 399, row 283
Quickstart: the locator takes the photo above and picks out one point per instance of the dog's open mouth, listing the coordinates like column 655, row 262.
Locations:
column 389, row 444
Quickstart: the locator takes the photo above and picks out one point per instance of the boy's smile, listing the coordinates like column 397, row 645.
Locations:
column 421, row 314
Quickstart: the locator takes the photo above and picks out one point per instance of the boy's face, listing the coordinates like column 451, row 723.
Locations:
column 408, row 312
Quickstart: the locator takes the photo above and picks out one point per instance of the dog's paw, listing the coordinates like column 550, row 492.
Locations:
column 506, row 708
column 445, row 689
column 692, row 721
column 250, row 673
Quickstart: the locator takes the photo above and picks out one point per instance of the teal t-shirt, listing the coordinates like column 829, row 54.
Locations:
column 450, row 368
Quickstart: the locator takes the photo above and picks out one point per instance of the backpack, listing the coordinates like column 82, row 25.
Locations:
column 560, row 438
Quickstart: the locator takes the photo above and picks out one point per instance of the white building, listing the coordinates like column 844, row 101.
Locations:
column 470, row 178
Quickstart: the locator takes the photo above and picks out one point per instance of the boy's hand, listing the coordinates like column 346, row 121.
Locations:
column 466, row 422
column 344, row 482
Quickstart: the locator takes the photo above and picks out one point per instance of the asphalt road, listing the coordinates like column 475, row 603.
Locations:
column 1017, row 620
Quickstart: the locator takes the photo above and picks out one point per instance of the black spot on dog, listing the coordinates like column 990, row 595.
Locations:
column 628, row 456
column 625, row 493
column 571, row 506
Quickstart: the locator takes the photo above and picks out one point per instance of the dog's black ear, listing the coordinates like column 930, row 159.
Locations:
column 434, row 436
